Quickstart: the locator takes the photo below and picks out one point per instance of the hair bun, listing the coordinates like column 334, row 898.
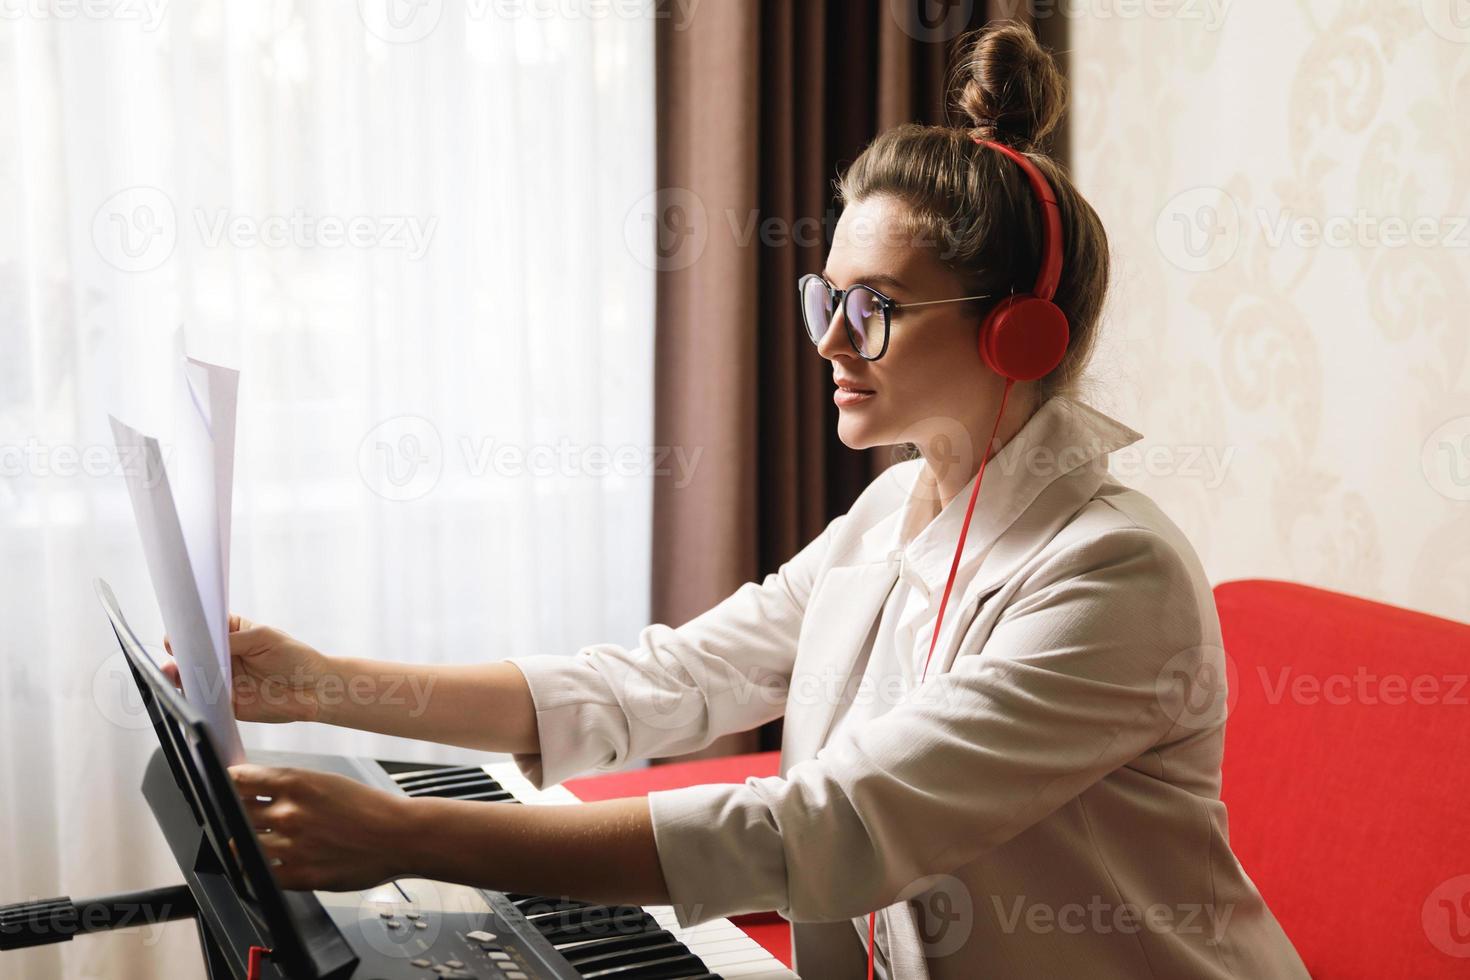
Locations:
column 1013, row 92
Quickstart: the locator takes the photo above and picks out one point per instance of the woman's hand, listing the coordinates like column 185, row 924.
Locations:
column 322, row 831
column 276, row 678
column 326, row 832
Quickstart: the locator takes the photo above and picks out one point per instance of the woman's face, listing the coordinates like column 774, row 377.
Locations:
column 930, row 388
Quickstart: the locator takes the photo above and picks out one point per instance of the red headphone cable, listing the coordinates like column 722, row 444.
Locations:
column 954, row 568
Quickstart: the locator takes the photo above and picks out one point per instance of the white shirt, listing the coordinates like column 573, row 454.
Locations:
column 924, row 544
column 922, row 550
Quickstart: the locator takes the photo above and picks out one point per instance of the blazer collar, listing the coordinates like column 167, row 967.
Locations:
column 1056, row 463
column 1063, row 439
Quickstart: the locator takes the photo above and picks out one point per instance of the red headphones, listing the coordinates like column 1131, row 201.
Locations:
column 1025, row 336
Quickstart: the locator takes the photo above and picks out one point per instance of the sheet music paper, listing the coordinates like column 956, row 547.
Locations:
column 185, row 528
column 203, row 471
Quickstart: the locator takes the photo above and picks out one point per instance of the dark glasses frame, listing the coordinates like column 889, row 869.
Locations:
column 838, row 300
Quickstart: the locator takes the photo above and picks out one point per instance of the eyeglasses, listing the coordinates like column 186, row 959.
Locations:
column 867, row 313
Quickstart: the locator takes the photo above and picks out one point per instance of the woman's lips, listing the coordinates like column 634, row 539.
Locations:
column 846, row 397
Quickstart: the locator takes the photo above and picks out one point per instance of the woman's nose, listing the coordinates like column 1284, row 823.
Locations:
column 834, row 342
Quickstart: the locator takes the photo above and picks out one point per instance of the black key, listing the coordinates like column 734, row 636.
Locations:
column 418, row 776
column 578, row 951
column 529, row 905
column 631, row 957
column 565, row 927
column 671, row 968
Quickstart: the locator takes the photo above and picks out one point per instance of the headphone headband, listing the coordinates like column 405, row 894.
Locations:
column 1050, row 273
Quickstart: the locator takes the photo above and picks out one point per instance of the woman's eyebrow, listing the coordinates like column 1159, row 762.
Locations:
column 876, row 279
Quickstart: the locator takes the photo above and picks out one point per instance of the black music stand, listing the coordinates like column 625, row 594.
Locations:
column 229, row 887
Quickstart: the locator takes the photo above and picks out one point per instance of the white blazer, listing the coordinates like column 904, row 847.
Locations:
column 1045, row 804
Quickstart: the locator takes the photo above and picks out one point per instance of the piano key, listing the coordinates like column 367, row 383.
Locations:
column 577, row 952
column 724, row 947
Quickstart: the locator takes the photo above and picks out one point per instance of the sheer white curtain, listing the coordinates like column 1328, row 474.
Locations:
column 415, row 230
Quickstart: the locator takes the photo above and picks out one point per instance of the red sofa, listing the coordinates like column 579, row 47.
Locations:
column 1347, row 778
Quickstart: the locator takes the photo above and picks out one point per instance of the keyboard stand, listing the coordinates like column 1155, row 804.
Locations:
column 58, row 920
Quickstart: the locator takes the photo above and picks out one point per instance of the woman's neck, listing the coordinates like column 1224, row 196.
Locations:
column 947, row 473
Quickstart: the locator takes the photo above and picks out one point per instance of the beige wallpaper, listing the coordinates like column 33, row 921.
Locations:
column 1287, row 190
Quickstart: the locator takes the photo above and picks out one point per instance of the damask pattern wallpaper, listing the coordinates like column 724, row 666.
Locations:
column 1287, row 190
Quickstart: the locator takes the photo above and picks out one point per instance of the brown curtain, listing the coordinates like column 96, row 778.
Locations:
column 760, row 104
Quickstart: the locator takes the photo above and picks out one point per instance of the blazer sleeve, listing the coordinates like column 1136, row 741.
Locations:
column 677, row 690
column 1083, row 672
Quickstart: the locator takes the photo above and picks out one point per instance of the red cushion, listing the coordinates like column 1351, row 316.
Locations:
column 1349, row 810
column 766, row 928
column 641, row 782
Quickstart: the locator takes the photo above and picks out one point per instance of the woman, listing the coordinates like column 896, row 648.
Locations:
column 1035, row 792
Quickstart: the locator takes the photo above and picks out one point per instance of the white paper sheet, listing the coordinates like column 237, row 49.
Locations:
column 186, row 538
column 203, row 471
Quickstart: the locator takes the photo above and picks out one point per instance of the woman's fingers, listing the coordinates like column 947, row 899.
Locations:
column 252, row 640
column 278, row 817
column 170, row 670
column 252, row 781
column 275, row 845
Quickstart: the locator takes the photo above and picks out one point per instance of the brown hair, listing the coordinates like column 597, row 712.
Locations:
column 975, row 205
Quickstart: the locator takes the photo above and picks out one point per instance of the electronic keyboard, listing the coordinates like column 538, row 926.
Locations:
column 407, row 929
column 536, row 936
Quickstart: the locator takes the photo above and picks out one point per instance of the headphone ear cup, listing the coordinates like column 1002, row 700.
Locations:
column 1024, row 338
